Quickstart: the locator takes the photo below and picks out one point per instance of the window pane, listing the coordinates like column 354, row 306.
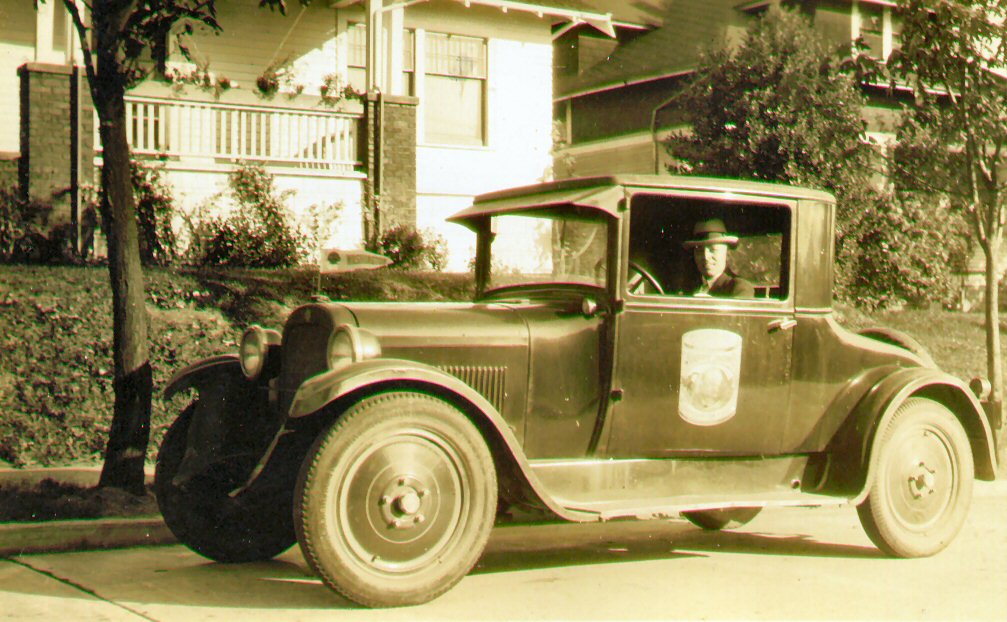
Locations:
column 454, row 55
column 356, row 45
column 408, row 50
column 453, row 110
column 553, row 248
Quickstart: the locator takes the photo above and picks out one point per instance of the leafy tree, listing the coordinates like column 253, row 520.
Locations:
column 953, row 142
column 778, row 107
column 118, row 38
column 782, row 106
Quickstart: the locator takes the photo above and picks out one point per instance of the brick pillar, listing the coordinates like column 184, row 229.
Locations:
column 57, row 142
column 391, row 163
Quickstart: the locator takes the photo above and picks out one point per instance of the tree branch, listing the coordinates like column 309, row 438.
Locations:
column 82, row 31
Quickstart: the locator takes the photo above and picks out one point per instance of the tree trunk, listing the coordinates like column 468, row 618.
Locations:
column 127, row 444
column 994, row 358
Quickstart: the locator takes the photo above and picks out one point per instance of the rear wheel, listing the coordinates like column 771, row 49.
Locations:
column 715, row 520
column 201, row 514
column 922, row 485
column 396, row 500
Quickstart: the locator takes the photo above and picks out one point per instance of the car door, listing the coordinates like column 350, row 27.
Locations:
column 697, row 376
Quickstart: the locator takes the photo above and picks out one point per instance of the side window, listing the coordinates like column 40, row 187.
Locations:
column 705, row 248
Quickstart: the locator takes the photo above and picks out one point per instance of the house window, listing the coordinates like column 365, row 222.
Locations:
column 455, row 90
column 409, row 62
column 356, row 56
column 875, row 25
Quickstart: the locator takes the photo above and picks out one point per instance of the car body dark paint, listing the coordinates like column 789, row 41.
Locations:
column 572, row 384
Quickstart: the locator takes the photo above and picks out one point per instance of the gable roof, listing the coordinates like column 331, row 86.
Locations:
column 673, row 49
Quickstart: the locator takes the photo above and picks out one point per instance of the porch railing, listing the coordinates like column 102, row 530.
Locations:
column 191, row 130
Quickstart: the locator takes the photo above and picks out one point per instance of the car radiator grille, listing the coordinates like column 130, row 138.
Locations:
column 488, row 381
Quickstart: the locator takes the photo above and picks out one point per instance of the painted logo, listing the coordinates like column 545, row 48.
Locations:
column 711, row 370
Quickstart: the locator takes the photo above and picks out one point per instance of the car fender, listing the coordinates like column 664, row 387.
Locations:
column 231, row 420
column 199, row 375
column 360, row 379
column 853, row 450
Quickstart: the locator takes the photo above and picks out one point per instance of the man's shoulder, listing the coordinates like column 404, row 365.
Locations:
column 734, row 286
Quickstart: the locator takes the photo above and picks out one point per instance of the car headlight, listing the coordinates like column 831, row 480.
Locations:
column 254, row 348
column 349, row 344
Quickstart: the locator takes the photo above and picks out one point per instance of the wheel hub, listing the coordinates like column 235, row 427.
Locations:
column 922, row 481
column 402, row 503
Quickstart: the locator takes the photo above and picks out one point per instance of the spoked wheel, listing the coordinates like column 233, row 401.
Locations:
column 396, row 500
column 715, row 520
column 923, row 482
column 250, row 527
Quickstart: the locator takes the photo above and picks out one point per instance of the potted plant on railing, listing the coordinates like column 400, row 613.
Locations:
column 333, row 90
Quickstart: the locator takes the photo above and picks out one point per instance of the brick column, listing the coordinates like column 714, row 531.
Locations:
column 391, row 162
column 57, row 142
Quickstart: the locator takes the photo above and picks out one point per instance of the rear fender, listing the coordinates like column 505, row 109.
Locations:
column 329, row 394
column 852, row 454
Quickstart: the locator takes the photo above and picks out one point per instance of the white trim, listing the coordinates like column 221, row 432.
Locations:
column 618, row 85
column 601, row 21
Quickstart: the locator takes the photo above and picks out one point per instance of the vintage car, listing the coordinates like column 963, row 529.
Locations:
column 586, row 382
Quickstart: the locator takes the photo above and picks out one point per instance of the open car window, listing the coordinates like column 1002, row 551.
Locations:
column 661, row 262
column 555, row 246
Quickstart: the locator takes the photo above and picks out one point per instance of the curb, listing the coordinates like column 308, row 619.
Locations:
column 22, row 538
column 82, row 535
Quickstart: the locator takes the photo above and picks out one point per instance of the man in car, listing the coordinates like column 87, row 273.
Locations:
column 709, row 245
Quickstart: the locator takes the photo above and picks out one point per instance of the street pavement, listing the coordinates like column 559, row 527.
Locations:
column 788, row 564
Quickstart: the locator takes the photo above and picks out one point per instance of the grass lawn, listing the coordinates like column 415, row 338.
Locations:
column 956, row 341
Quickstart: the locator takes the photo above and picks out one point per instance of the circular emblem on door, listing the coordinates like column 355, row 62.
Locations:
column 711, row 369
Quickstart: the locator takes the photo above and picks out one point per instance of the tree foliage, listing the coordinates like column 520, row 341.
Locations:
column 782, row 106
column 119, row 39
column 953, row 143
column 779, row 107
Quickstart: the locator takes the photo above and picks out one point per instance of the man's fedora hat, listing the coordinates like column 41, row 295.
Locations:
column 710, row 231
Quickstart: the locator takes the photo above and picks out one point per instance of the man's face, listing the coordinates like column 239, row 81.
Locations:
column 711, row 259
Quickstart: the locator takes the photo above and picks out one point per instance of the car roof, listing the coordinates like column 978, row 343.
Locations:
column 603, row 193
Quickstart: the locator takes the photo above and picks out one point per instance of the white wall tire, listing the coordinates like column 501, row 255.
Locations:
column 396, row 500
column 922, row 483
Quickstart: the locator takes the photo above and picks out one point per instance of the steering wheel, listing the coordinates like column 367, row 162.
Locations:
column 639, row 280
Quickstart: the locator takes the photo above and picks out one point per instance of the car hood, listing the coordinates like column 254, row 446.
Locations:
column 419, row 331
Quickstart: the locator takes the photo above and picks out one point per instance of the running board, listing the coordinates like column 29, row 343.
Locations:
column 663, row 488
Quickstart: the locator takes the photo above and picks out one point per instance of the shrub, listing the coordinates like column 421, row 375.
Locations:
column 155, row 209
column 258, row 233
column 410, row 249
column 25, row 233
column 906, row 250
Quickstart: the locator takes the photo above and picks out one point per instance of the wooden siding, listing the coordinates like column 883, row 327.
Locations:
column 17, row 47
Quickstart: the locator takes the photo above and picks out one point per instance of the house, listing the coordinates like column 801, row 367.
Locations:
column 447, row 99
column 614, row 109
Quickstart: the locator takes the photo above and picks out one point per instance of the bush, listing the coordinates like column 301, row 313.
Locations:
column 410, row 249
column 906, row 250
column 155, row 209
column 258, row 233
column 25, row 235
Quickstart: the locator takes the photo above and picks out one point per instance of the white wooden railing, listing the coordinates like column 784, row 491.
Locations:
column 191, row 129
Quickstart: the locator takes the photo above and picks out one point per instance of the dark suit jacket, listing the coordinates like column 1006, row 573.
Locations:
column 730, row 285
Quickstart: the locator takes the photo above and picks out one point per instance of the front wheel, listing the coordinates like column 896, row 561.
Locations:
column 200, row 513
column 395, row 501
column 922, row 485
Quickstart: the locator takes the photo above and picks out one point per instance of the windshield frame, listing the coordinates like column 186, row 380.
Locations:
column 544, row 289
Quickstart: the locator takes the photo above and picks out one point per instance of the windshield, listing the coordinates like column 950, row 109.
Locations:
column 551, row 247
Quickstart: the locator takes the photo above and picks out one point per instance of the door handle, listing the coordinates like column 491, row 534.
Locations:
column 782, row 324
